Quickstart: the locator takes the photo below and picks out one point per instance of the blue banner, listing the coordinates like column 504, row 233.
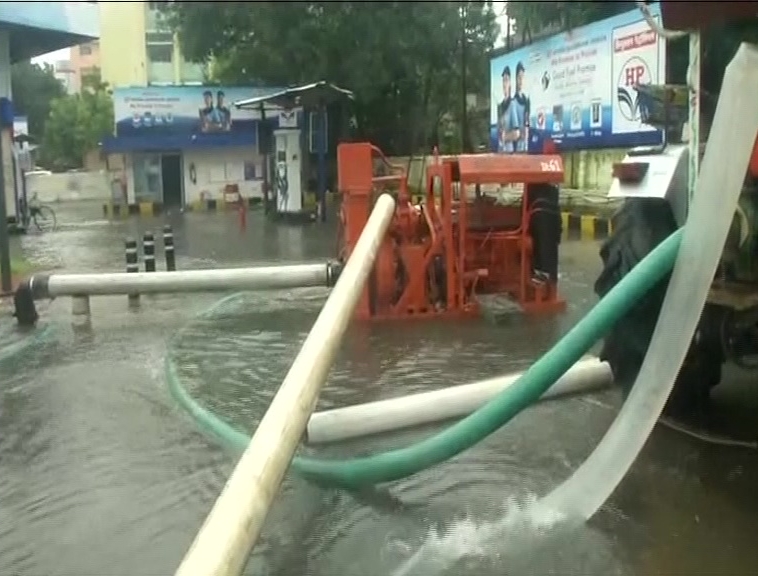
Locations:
column 577, row 88
column 174, row 110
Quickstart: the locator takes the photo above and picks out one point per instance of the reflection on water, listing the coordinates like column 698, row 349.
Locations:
column 101, row 474
column 451, row 519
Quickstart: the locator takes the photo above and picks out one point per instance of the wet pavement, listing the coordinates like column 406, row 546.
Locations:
column 101, row 474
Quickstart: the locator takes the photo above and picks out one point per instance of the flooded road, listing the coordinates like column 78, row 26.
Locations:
column 101, row 474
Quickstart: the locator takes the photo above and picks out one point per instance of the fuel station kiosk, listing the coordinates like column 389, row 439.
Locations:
column 286, row 148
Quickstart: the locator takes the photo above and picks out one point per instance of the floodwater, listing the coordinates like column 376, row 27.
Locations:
column 101, row 474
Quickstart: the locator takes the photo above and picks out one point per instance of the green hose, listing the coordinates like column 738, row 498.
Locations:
column 397, row 464
column 37, row 337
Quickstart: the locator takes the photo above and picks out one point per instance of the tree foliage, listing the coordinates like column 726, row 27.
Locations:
column 534, row 17
column 33, row 88
column 402, row 59
column 76, row 125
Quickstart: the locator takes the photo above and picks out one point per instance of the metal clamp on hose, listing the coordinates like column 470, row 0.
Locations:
column 333, row 271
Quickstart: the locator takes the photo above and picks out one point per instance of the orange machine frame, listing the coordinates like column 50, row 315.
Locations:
column 440, row 253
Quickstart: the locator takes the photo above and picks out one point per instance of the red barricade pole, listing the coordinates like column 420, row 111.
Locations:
column 242, row 213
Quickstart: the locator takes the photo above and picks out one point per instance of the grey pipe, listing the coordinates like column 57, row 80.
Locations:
column 44, row 286
column 260, row 278
column 453, row 402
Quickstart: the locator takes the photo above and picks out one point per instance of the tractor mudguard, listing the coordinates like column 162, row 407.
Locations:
column 649, row 172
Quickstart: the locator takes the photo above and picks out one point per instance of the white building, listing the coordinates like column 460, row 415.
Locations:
column 188, row 146
column 66, row 74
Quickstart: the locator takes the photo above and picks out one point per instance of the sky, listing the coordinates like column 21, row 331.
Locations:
column 53, row 57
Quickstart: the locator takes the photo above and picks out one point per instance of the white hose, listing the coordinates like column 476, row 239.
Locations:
column 724, row 165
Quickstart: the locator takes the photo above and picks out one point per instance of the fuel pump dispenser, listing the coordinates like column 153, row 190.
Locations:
column 287, row 153
column 288, row 177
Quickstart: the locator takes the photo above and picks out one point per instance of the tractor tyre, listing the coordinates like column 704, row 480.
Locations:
column 637, row 228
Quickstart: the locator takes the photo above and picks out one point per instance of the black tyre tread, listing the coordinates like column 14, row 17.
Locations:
column 638, row 227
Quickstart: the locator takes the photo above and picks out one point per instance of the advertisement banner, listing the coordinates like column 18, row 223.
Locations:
column 577, row 88
column 185, row 109
column 20, row 126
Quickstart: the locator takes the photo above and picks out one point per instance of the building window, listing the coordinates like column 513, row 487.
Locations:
column 85, row 50
column 160, row 63
column 160, row 53
column 159, row 38
column 192, row 72
column 154, row 20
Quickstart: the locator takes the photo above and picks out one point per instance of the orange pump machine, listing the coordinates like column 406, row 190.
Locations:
column 456, row 242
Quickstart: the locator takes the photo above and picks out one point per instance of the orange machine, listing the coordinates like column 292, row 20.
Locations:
column 456, row 242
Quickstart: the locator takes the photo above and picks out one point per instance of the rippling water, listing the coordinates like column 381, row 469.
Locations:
column 101, row 474
column 448, row 520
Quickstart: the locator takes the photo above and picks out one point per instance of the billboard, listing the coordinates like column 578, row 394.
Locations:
column 20, row 126
column 577, row 88
column 184, row 109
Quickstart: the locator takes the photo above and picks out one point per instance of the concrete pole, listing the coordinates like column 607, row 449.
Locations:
column 5, row 188
column 230, row 531
column 6, row 280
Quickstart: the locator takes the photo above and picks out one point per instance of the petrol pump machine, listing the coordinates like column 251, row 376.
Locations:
column 287, row 178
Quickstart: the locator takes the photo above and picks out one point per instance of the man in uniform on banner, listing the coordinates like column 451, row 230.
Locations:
column 523, row 107
column 508, row 123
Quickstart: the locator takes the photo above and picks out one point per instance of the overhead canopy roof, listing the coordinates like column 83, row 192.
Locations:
column 36, row 28
column 27, row 43
column 308, row 96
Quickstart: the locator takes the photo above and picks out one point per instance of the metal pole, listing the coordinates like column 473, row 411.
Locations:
column 230, row 531
column 168, row 248
column 215, row 280
column 148, row 249
column 322, row 144
column 6, row 280
column 263, row 150
column 693, row 143
column 132, row 264
column 464, row 85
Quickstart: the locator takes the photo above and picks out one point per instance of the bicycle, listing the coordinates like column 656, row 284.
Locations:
column 40, row 214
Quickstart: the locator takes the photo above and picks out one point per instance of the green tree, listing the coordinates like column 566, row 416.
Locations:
column 33, row 88
column 532, row 18
column 76, row 125
column 402, row 59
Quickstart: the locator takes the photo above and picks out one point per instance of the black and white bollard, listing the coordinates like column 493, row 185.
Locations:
column 132, row 264
column 168, row 248
column 148, row 251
